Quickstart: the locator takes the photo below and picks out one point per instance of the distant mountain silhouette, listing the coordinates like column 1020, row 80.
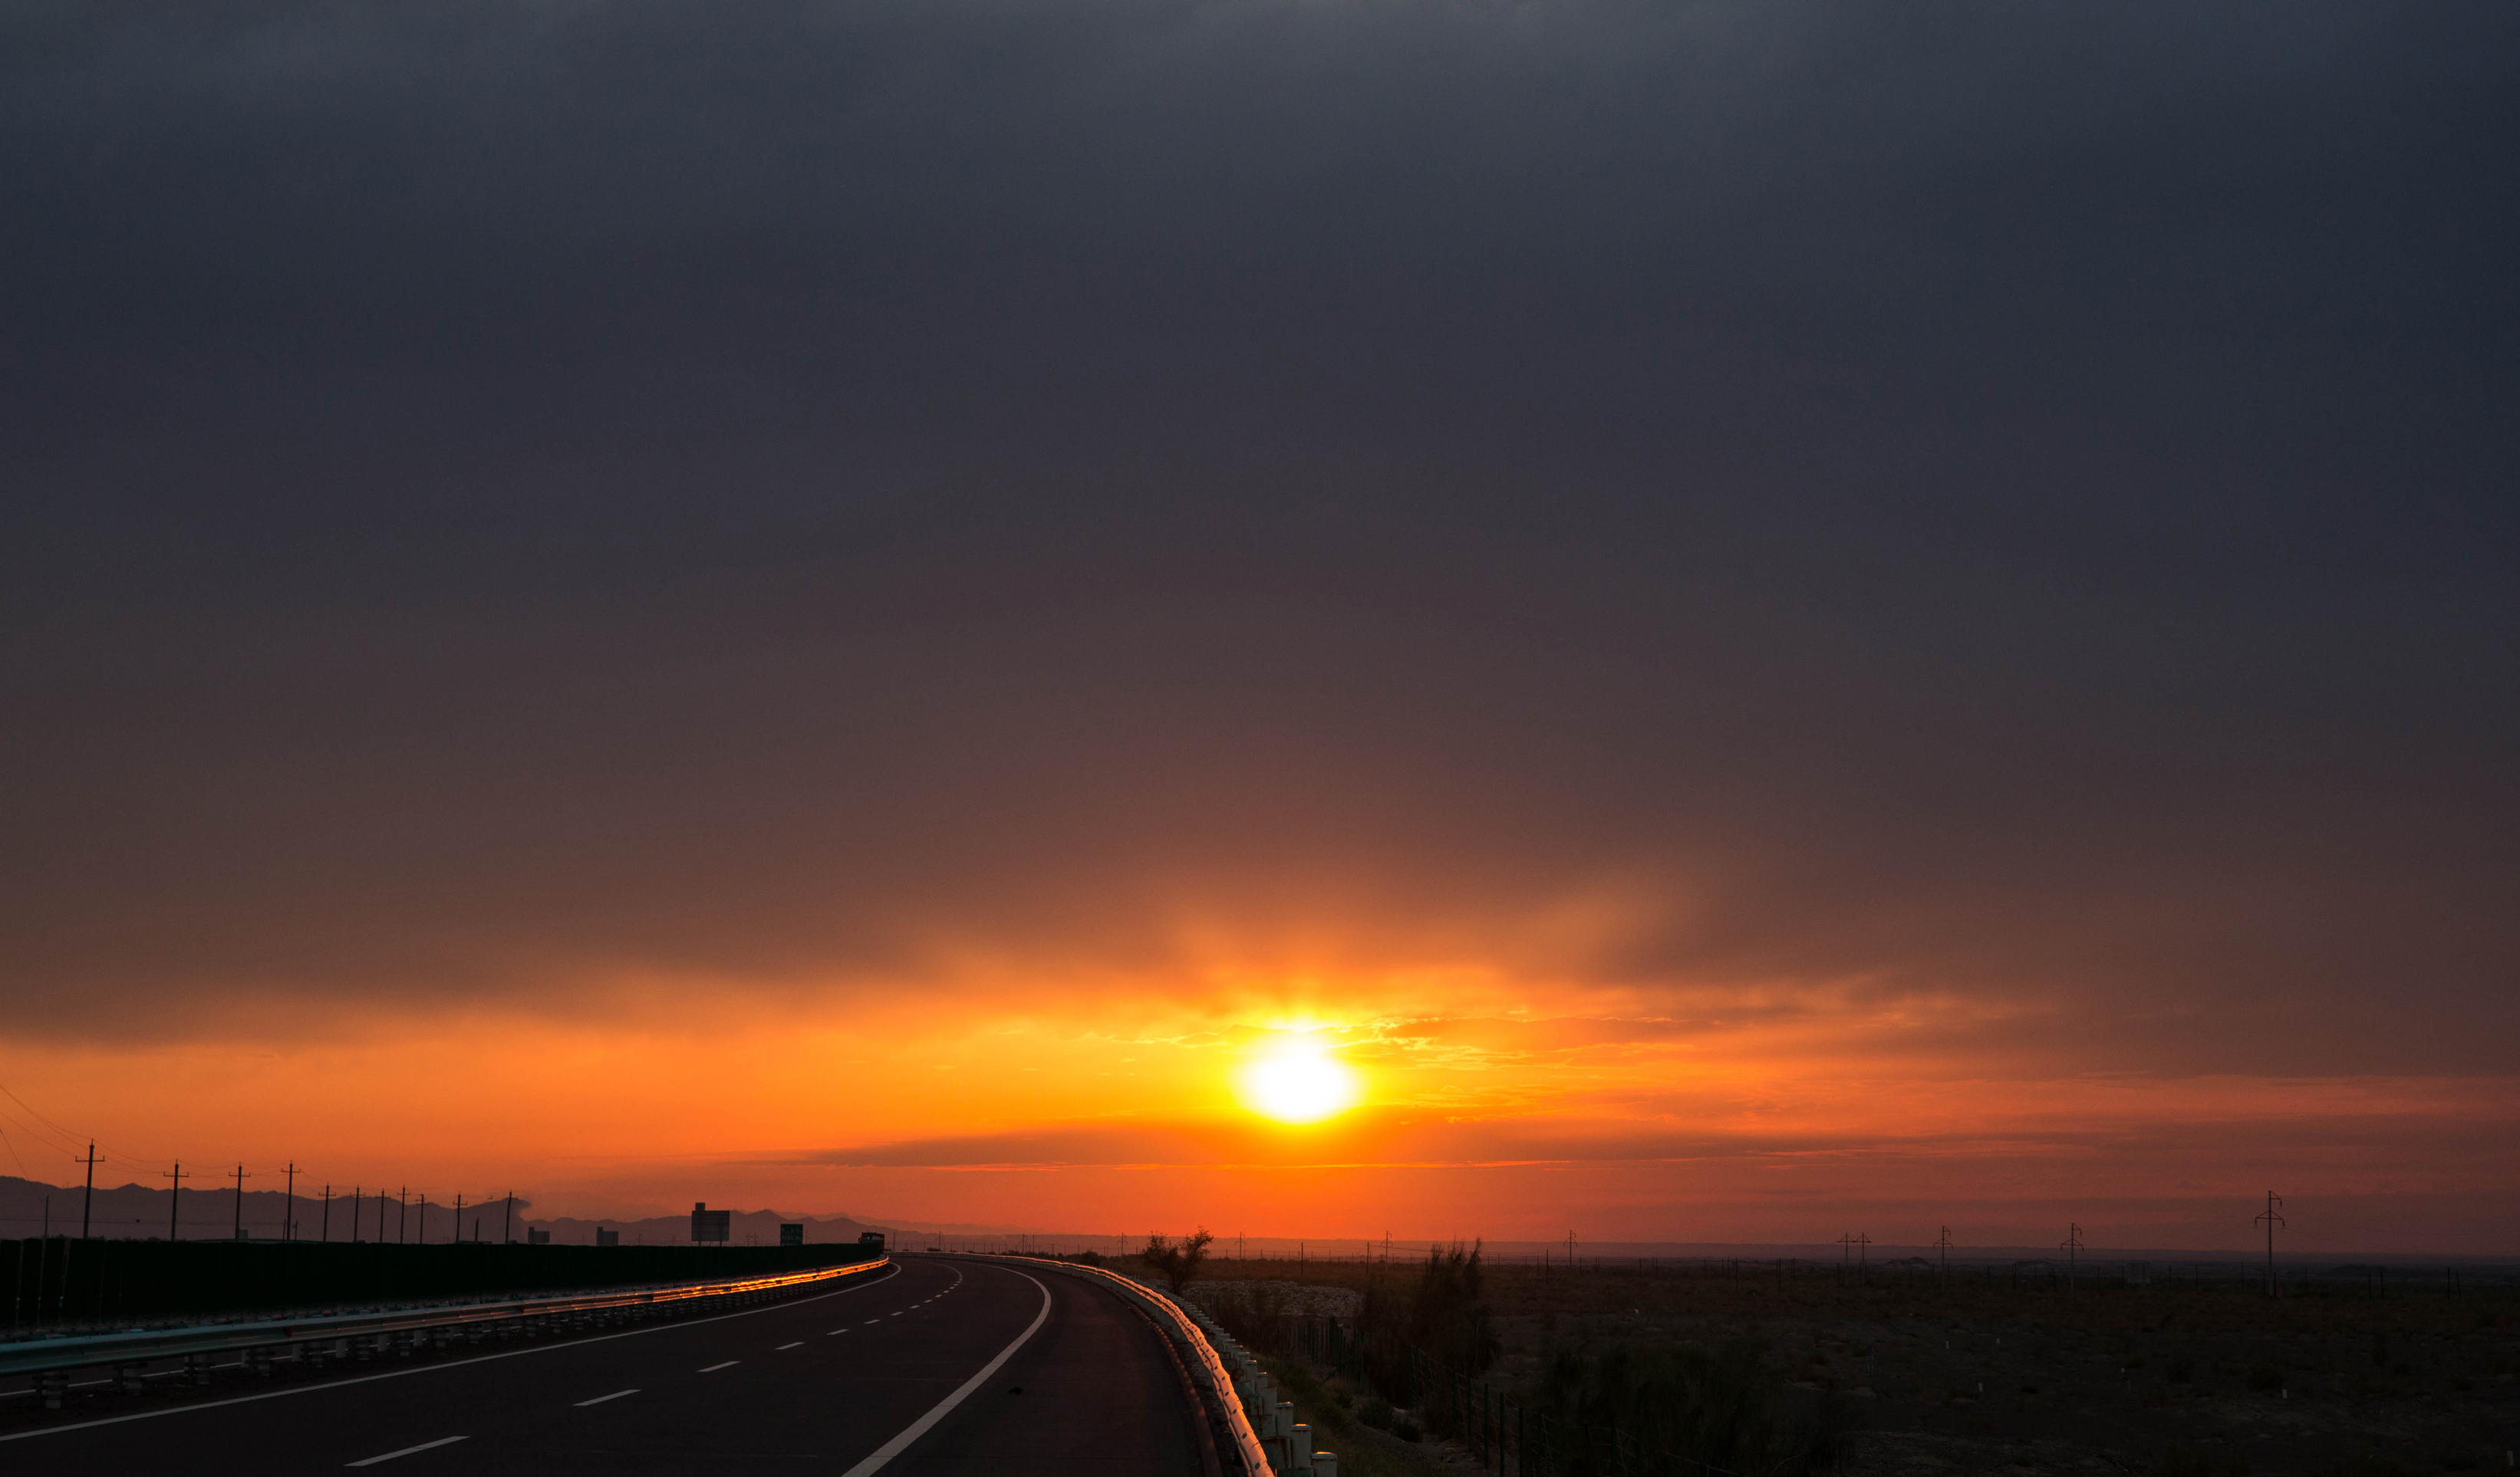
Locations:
column 139, row 1212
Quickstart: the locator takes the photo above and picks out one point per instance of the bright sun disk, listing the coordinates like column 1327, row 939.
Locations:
column 1298, row 1086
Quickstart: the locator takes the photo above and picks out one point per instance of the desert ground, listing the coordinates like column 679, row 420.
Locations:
column 1966, row 1375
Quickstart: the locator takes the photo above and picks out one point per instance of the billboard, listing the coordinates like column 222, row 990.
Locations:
column 710, row 1224
column 792, row 1236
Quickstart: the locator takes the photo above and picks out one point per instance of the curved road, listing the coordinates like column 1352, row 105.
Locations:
column 937, row 1366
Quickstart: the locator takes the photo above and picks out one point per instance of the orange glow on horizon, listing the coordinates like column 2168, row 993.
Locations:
column 1129, row 1105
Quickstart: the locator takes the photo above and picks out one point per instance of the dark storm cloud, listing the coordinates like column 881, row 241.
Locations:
column 2002, row 498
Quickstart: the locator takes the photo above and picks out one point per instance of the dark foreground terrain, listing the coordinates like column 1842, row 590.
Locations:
column 1931, row 1376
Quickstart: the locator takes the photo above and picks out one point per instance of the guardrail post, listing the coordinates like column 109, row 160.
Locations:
column 54, row 1385
column 196, row 1368
column 126, row 1378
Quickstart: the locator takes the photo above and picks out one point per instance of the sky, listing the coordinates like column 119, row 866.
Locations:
column 1751, row 620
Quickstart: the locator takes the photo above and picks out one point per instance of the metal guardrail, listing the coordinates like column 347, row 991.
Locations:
column 140, row 1346
column 1292, row 1440
column 1207, row 1368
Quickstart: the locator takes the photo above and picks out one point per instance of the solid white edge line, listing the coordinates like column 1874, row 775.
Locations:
column 442, row 1441
column 920, row 1427
column 601, row 1398
column 361, row 1380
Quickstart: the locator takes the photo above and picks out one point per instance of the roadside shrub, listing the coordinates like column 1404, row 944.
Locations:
column 1447, row 1313
column 1726, row 1407
column 1177, row 1262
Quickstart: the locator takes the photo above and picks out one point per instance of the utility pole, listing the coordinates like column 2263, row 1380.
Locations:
column 402, row 1217
column 289, row 1206
column 1862, row 1239
column 87, row 1201
column 175, row 1206
column 2072, row 1246
column 507, row 1218
column 240, row 1178
column 355, row 1214
column 326, row 1232
column 1570, row 1251
column 2272, row 1218
column 459, row 1215
column 1945, row 1242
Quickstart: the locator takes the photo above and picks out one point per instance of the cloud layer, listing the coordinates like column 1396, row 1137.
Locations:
column 1970, row 540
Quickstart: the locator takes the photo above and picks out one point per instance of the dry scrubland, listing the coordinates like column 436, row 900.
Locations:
column 1967, row 1377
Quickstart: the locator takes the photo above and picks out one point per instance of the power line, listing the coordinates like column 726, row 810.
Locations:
column 69, row 1139
column 39, row 1117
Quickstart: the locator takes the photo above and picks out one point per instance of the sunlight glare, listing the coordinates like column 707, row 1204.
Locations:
column 1298, row 1085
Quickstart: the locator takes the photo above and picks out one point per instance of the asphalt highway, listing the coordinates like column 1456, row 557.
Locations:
column 939, row 1367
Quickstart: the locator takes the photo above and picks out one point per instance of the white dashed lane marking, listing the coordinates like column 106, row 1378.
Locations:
column 800, row 1344
column 601, row 1398
column 730, row 1363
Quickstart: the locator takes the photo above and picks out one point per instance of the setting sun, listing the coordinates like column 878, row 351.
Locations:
column 1298, row 1085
